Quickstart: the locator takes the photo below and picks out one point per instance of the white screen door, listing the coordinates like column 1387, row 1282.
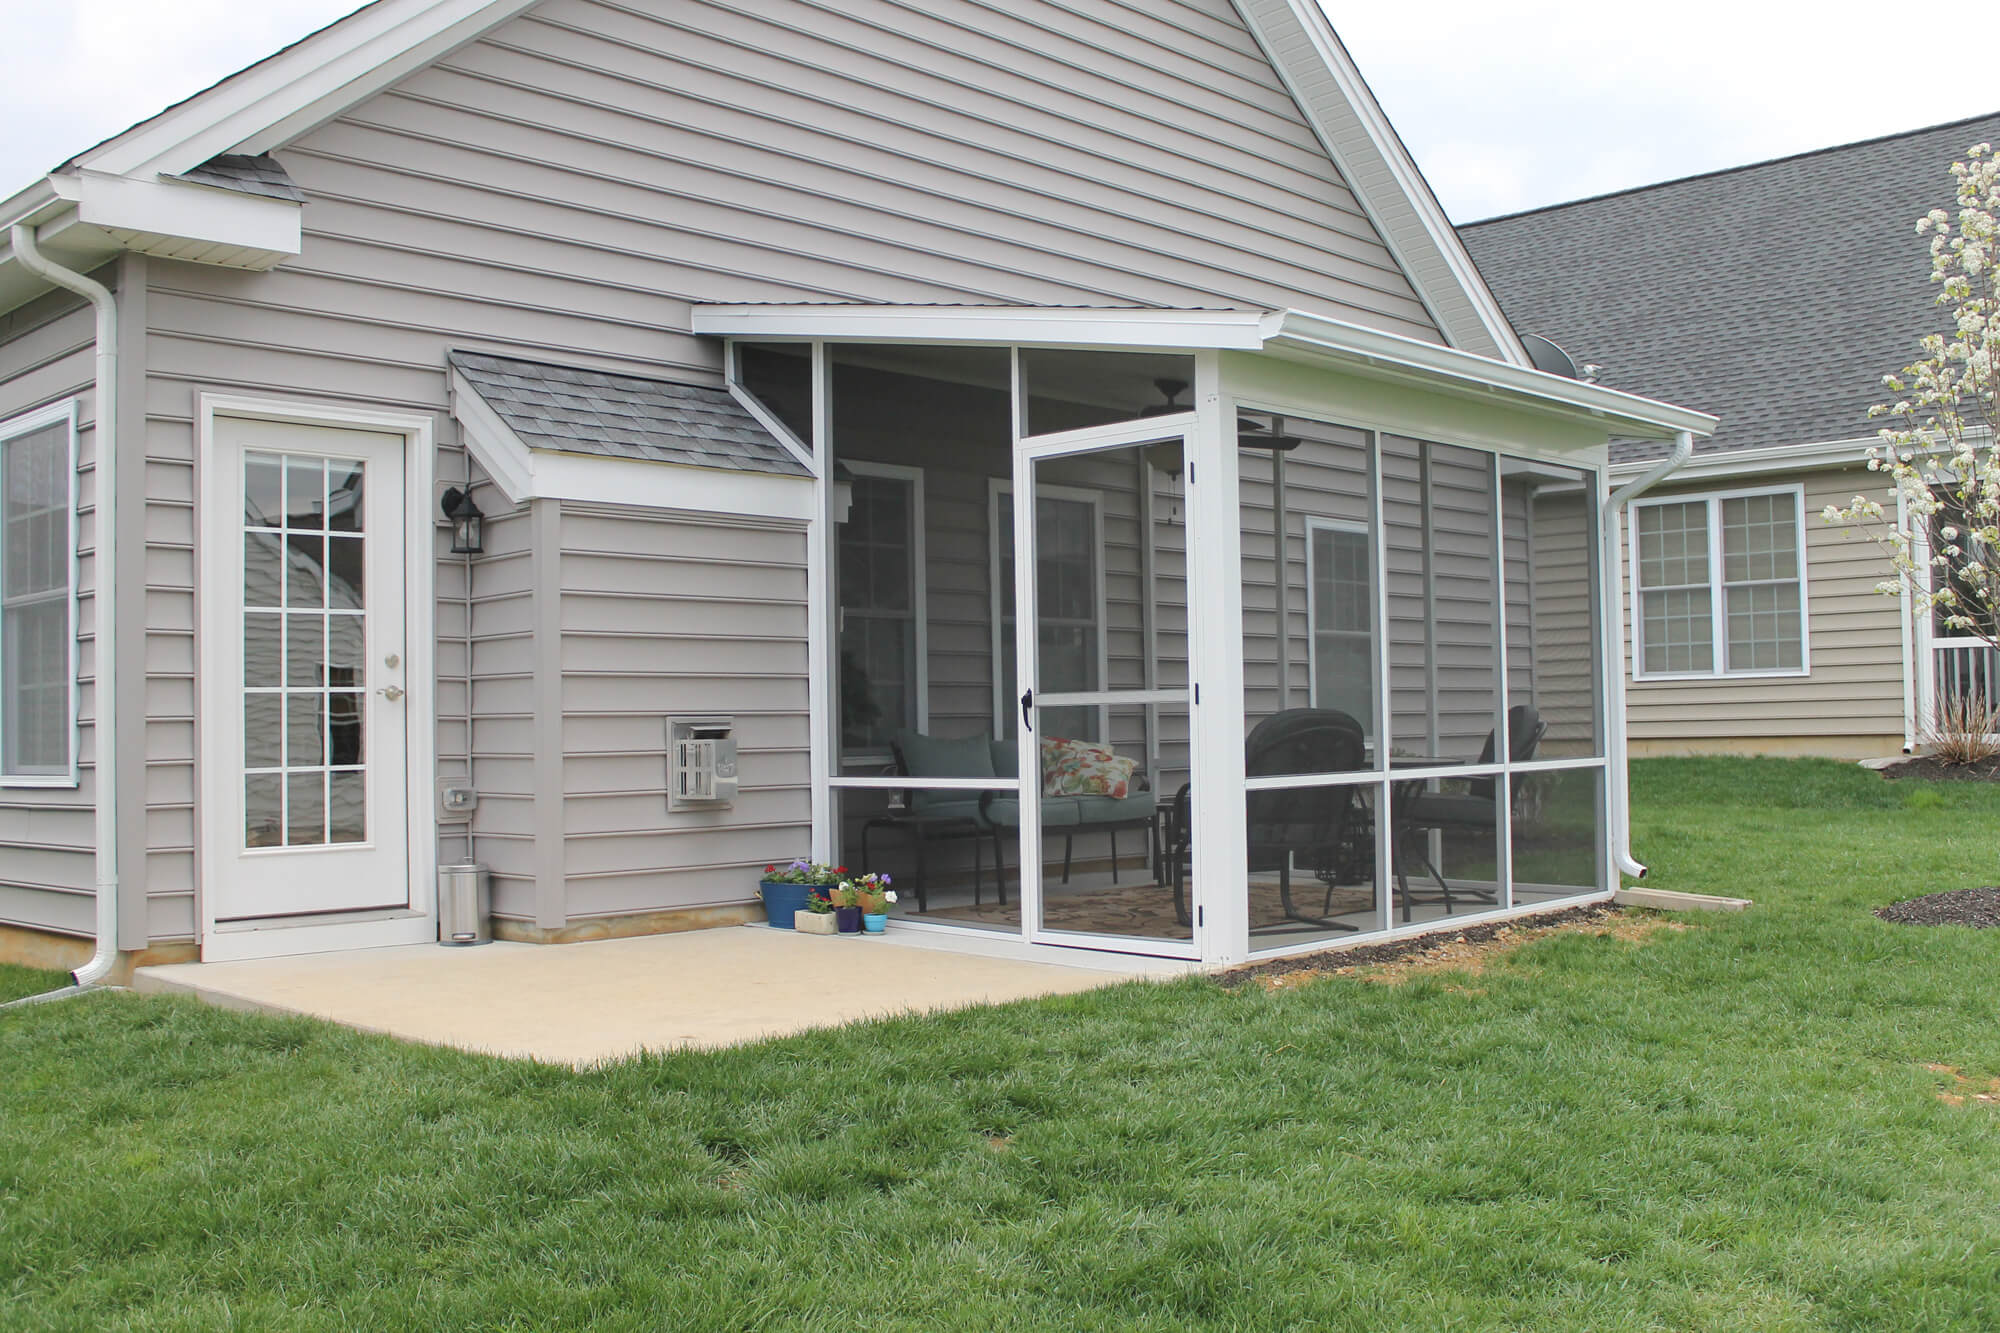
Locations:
column 307, row 763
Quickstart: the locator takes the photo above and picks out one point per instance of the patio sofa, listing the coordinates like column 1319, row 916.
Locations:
column 991, row 813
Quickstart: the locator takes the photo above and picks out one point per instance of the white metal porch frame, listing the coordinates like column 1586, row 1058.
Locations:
column 1215, row 697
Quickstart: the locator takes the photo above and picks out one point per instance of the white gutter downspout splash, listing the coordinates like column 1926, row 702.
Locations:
column 1620, row 803
column 104, row 498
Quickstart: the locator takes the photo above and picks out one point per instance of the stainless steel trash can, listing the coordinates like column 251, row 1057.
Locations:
column 465, row 904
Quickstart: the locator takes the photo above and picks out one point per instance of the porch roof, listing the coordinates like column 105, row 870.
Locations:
column 1291, row 334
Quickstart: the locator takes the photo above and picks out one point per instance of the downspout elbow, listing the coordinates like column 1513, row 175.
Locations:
column 104, row 729
column 1620, row 805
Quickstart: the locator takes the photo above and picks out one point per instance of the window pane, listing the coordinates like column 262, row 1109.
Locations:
column 779, row 375
column 1678, row 631
column 35, row 646
column 1763, row 627
column 34, row 640
column 1673, row 544
column 1760, row 537
column 878, row 595
column 1069, row 389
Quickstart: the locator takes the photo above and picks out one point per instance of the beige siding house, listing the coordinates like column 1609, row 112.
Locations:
column 1775, row 296
column 793, row 359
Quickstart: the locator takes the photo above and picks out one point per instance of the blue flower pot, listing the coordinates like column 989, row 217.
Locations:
column 848, row 919
column 874, row 922
column 782, row 902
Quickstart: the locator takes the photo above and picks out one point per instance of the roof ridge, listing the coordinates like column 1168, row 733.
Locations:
column 1726, row 171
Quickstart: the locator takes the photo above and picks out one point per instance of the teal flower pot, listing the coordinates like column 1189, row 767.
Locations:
column 874, row 922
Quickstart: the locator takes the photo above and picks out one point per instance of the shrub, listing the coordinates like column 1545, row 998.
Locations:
column 1963, row 731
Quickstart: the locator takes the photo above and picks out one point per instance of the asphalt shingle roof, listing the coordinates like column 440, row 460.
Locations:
column 1775, row 296
column 246, row 174
column 580, row 411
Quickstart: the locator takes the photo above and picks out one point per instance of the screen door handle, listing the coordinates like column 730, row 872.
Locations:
column 1027, row 702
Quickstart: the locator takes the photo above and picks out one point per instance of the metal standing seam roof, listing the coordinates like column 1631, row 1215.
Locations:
column 1774, row 296
column 246, row 174
column 579, row 411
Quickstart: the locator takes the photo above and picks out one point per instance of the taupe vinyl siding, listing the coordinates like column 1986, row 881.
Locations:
column 1855, row 688
column 497, row 746
column 1562, row 683
column 48, row 835
column 642, row 643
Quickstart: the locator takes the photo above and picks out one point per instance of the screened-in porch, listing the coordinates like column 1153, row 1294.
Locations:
column 1201, row 650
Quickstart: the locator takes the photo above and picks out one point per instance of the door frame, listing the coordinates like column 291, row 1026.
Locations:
column 1028, row 452
column 216, row 515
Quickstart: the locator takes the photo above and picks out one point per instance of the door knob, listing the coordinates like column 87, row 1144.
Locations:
column 391, row 692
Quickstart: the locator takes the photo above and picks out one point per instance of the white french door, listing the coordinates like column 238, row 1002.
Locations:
column 306, row 742
column 1102, row 632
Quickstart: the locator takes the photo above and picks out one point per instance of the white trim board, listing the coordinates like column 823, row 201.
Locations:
column 1810, row 457
column 525, row 473
column 216, row 522
column 1718, row 586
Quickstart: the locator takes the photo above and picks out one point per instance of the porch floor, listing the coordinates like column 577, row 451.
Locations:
column 581, row 1003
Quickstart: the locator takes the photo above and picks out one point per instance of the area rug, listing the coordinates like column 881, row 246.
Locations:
column 1146, row 910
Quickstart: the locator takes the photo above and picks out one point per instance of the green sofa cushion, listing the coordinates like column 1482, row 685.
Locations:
column 938, row 757
column 1114, row 809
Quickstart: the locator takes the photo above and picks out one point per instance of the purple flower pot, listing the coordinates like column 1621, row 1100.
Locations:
column 848, row 919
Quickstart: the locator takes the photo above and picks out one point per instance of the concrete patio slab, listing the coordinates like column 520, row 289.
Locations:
column 580, row 1003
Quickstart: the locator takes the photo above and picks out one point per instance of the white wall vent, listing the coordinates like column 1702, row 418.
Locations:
column 701, row 763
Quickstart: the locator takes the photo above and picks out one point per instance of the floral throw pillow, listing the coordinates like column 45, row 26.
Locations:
column 1084, row 768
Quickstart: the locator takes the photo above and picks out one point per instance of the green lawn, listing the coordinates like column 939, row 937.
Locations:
column 18, row 982
column 1725, row 1128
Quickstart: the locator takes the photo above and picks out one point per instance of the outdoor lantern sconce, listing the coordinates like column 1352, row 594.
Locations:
column 468, row 536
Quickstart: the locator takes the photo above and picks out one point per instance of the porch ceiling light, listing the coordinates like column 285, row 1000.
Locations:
column 468, row 536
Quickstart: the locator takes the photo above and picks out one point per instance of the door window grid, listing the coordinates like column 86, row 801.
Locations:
column 35, row 598
column 1720, row 567
column 304, row 640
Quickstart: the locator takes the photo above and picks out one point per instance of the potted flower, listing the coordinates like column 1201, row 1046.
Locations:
column 846, row 898
column 817, row 916
column 785, row 889
column 875, row 895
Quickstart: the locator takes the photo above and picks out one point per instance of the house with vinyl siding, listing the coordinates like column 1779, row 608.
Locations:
column 626, row 445
column 1776, row 296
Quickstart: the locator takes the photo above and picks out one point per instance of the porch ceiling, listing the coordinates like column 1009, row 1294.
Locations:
column 1291, row 334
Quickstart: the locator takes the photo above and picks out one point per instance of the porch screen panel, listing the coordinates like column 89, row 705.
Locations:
column 1552, row 599
column 1069, row 389
column 1308, row 582
column 1440, row 529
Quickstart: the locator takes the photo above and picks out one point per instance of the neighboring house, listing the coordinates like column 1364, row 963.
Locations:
column 743, row 329
column 1775, row 296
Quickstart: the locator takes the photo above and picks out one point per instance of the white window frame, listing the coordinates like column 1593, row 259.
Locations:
column 1717, row 601
column 64, row 414
column 1316, row 524
column 1004, row 707
column 919, row 597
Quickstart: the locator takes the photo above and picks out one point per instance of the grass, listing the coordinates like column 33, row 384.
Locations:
column 19, row 982
column 1729, row 1127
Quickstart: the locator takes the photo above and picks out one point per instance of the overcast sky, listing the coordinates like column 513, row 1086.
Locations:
column 1505, row 106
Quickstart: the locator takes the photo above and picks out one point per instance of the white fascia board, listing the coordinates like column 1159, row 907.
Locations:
column 1759, row 462
column 525, row 473
column 1333, row 339
column 190, row 211
column 304, row 85
column 1237, row 330
column 1355, row 132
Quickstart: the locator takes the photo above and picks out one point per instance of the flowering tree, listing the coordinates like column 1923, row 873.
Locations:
column 1944, row 538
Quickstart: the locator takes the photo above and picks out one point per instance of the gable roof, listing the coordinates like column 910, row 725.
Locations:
column 1774, row 296
column 271, row 103
column 574, row 410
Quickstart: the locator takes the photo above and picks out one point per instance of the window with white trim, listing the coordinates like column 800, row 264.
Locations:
column 37, row 595
column 1342, row 615
column 1719, row 582
column 881, row 592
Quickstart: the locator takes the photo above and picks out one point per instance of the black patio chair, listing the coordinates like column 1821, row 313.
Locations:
column 1293, row 828
column 1417, row 812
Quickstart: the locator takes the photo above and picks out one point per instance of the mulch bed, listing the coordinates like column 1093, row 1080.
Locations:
column 1931, row 769
column 1959, row 907
column 1362, row 955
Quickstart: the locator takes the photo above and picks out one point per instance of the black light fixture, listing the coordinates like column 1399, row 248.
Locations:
column 468, row 536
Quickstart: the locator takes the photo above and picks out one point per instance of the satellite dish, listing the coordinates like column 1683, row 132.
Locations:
column 1549, row 357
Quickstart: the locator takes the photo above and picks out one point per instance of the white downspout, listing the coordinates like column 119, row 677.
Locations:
column 104, row 731
column 1620, row 802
